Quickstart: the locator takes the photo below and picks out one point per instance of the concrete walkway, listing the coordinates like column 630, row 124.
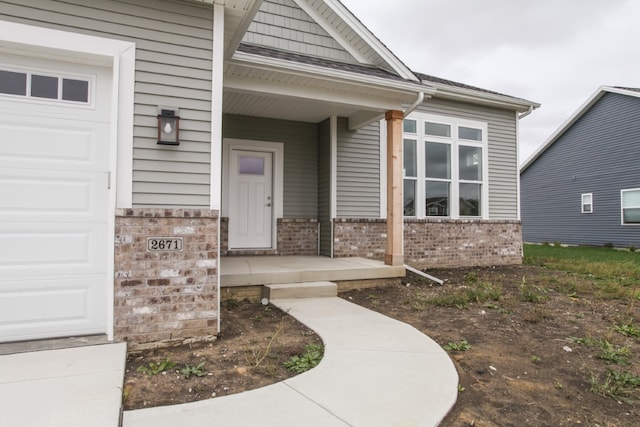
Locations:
column 376, row 371
column 73, row 387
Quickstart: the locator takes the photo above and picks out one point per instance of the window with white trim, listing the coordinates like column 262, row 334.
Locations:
column 587, row 202
column 630, row 206
column 445, row 167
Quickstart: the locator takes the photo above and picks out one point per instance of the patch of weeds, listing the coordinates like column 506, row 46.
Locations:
column 197, row 370
column 627, row 330
column 231, row 303
column 471, row 277
column 535, row 358
column 530, row 293
column 461, row 345
column 257, row 355
column 460, row 388
column 479, row 292
column 557, row 384
column 309, row 359
column 453, row 298
column 611, row 353
column 616, row 385
column 536, row 315
column 154, row 368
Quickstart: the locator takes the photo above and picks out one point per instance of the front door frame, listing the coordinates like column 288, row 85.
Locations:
column 277, row 151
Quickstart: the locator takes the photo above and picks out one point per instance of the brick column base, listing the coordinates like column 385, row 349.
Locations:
column 164, row 297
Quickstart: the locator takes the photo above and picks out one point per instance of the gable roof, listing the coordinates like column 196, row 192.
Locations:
column 593, row 99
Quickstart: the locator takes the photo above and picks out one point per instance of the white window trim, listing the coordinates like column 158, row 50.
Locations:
column 455, row 142
column 622, row 207
column 584, row 196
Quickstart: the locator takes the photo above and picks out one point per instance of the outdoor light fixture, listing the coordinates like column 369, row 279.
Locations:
column 168, row 127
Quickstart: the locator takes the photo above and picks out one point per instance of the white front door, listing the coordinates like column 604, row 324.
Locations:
column 54, row 222
column 250, row 199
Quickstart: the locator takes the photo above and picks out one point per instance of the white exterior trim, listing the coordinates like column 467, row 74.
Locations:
column 333, row 131
column 589, row 196
column 120, row 57
column 383, row 169
column 216, row 106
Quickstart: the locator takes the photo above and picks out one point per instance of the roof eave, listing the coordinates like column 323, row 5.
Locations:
column 484, row 98
column 281, row 65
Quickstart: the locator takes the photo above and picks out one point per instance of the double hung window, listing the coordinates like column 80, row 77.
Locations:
column 587, row 202
column 630, row 206
column 445, row 167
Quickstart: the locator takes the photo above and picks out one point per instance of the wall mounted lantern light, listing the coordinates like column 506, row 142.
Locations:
column 168, row 127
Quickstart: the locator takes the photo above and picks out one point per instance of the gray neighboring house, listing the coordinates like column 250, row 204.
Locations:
column 583, row 185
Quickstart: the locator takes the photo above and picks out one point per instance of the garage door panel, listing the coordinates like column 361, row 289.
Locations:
column 52, row 143
column 61, row 196
column 36, row 250
column 55, row 307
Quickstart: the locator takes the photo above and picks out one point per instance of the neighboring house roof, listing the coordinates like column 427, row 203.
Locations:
column 635, row 92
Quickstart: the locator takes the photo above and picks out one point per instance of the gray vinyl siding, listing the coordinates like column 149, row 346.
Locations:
column 173, row 68
column 503, row 151
column 300, row 157
column 281, row 24
column 598, row 154
column 358, row 171
column 324, row 186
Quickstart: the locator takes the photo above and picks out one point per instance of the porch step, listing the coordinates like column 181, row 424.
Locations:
column 300, row 290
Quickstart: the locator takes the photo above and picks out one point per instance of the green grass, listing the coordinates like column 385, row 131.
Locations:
column 615, row 274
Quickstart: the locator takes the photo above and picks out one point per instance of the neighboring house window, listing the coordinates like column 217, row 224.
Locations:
column 587, row 203
column 630, row 206
column 445, row 167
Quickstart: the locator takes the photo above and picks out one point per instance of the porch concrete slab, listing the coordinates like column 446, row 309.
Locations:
column 262, row 270
column 300, row 290
column 79, row 386
column 381, row 372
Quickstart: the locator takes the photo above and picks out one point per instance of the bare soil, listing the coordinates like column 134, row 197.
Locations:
column 530, row 361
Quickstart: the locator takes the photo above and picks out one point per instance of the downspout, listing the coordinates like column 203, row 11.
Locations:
column 415, row 104
column 526, row 113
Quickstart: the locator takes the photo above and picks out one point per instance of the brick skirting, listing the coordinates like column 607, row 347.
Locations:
column 165, row 296
column 434, row 243
column 296, row 236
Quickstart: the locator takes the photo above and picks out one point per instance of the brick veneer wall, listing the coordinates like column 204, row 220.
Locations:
column 165, row 297
column 297, row 236
column 434, row 243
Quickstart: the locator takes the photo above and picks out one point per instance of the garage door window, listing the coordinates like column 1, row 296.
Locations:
column 31, row 84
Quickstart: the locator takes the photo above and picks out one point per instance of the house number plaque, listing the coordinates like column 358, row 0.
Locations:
column 164, row 244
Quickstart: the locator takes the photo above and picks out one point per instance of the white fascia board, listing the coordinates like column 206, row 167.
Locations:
column 296, row 68
column 317, row 94
column 371, row 40
column 247, row 19
column 571, row 120
column 485, row 98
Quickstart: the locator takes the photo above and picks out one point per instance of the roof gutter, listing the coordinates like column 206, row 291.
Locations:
column 526, row 113
column 415, row 104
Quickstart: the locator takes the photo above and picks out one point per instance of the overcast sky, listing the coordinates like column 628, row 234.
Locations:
column 554, row 52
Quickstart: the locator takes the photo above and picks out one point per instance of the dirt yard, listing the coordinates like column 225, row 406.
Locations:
column 532, row 347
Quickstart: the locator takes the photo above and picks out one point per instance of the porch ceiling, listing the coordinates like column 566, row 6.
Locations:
column 303, row 96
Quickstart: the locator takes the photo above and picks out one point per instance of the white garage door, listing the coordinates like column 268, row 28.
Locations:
column 54, row 161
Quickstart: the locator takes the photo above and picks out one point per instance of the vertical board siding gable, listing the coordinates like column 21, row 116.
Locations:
column 281, row 24
column 173, row 68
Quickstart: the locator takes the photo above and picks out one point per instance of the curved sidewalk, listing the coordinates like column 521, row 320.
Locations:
column 376, row 371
